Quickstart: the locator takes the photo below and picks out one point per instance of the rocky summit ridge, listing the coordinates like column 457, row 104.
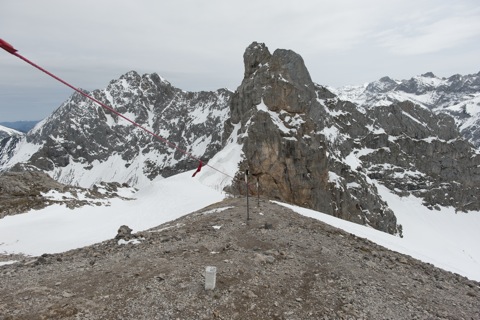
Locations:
column 280, row 265
column 303, row 143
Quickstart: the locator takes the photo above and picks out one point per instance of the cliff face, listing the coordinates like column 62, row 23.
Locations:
column 283, row 118
column 426, row 157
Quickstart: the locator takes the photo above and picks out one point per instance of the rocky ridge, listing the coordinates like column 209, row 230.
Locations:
column 21, row 126
column 9, row 138
column 7, row 132
column 279, row 265
column 415, row 146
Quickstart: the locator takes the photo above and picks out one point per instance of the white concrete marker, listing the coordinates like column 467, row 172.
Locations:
column 210, row 277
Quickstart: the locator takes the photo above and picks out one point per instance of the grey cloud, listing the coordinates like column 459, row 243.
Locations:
column 198, row 44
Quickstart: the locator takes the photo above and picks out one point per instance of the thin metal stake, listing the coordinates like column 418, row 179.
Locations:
column 258, row 193
column 246, row 184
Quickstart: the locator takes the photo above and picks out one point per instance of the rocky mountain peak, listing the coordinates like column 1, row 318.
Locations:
column 457, row 96
column 132, row 74
column 280, row 116
column 429, row 75
column 134, row 79
column 280, row 80
column 81, row 134
column 256, row 56
column 384, row 84
column 291, row 66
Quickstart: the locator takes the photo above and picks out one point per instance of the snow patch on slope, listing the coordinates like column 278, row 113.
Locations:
column 447, row 240
column 223, row 166
column 274, row 116
column 113, row 169
column 23, row 151
column 57, row 229
column 9, row 131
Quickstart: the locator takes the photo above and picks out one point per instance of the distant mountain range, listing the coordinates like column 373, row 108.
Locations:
column 306, row 144
column 22, row 126
column 458, row 96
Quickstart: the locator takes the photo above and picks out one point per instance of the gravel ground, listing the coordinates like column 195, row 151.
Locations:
column 279, row 265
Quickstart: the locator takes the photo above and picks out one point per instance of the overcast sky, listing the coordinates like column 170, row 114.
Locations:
column 199, row 44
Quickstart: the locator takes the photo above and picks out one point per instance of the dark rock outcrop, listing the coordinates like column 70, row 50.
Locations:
column 282, row 118
column 124, row 233
column 427, row 157
column 22, row 191
column 410, row 150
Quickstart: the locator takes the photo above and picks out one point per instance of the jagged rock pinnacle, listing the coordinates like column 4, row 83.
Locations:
column 280, row 80
column 281, row 120
column 256, row 55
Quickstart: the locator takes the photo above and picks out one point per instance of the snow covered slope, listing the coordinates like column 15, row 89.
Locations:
column 9, row 138
column 7, row 132
column 160, row 201
column 57, row 228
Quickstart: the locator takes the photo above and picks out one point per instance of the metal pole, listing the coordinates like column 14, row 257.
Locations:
column 246, row 184
column 258, row 194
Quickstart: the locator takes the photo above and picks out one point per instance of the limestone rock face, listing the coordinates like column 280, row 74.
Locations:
column 291, row 169
column 407, row 148
column 256, row 55
column 282, row 118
